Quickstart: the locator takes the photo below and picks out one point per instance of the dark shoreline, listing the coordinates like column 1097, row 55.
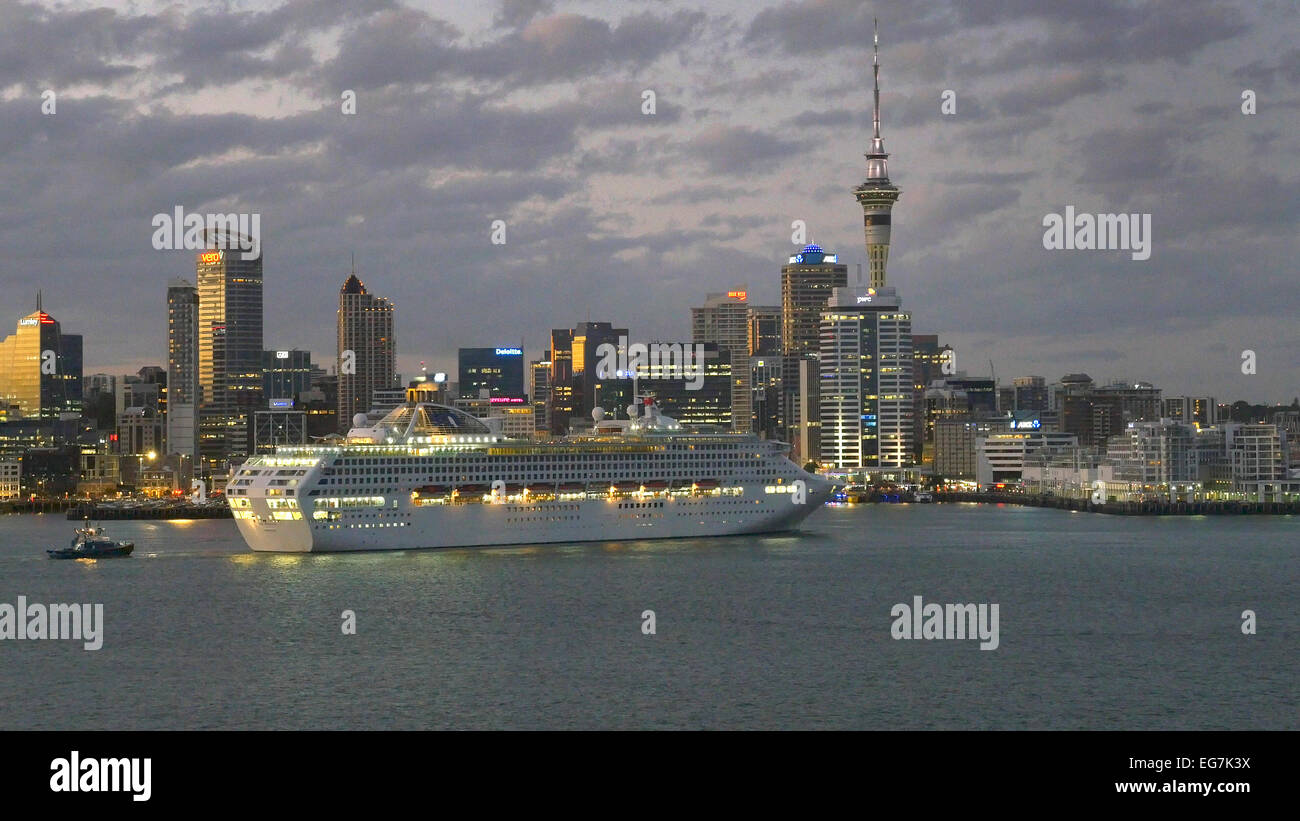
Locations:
column 1215, row 508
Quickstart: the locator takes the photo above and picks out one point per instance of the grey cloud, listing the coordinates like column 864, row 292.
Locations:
column 738, row 149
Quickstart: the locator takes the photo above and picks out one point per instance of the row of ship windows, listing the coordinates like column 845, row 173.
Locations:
column 377, row 524
column 697, row 452
column 399, row 469
column 485, row 475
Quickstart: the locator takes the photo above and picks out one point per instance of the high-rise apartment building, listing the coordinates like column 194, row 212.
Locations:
column 367, row 352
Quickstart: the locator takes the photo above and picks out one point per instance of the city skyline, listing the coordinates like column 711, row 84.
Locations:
column 606, row 208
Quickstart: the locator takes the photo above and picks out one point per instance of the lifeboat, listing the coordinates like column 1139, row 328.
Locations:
column 706, row 484
column 433, row 490
column 627, row 487
column 573, row 487
column 467, row 490
column 656, row 484
column 537, row 488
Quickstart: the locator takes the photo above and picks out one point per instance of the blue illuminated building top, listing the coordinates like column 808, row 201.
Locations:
column 813, row 254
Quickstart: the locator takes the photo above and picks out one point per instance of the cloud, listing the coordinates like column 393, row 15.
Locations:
column 740, row 149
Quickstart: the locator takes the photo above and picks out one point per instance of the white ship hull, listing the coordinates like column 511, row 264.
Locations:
column 489, row 525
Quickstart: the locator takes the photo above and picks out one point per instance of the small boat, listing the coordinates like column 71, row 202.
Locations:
column 924, row 498
column 627, row 487
column 91, row 543
column 706, row 484
column 656, row 484
column 573, row 487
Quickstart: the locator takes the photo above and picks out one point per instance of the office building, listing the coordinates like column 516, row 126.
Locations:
column 866, row 386
column 807, row 281
column 1001, row 458
column 40, row 370
column 764, row 334
column 930, row 361
column 575, row 360
column 285, row 375
column 183, row 368
column 724, row 321
column 229, row 353
column 499, row 370
column 539, row 391
column 765, row 378
column 1030, row 394
column 140, row 430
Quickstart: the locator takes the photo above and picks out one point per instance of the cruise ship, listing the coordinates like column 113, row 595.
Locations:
column 432, row 476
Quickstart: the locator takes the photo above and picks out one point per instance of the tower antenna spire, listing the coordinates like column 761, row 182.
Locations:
column 875, row 75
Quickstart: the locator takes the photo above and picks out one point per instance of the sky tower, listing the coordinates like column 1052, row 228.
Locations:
column 877, row 194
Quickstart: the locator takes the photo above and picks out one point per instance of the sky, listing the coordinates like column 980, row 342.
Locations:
column 531, row 112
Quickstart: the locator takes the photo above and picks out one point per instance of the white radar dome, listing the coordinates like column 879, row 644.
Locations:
column 359, row 420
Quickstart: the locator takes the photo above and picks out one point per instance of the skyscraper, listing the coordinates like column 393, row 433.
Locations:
column 764, row 330
column 539, row 391
column 40, row 369
column 877, row 194
column 366, row 350
column 807, row 281
column 285, row 375
column 866, row 380
column 182, row 368
column 230, row 353
column 575, row 355
column 500, row 370
column 723, row 320
column 928, row 359
column 560, row 404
